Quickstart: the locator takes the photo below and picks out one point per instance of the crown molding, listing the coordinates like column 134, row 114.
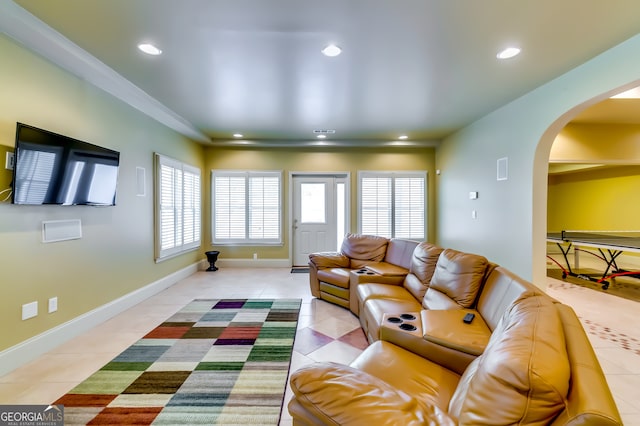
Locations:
column 40, row 38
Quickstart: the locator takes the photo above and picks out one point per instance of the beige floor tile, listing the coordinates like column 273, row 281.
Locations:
column 626, row 407
column 631, row 419
column 335, row 352
column 118, row 341
column 627, row 361
column 334, row 327
column 59, row 367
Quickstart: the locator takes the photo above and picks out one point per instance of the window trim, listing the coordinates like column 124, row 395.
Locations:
column 247, row 175
column 393, row 175
column 182, row 247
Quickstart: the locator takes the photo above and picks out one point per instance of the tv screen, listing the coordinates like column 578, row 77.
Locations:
column 55, row 169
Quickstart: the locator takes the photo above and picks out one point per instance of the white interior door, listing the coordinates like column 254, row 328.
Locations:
column 318, row 215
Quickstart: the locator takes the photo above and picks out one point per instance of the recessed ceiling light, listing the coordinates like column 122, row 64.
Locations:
column 237, row 135
column 321, row 136
column 403, row 137
column 629, row 94
column 509, row 52
column 331, row 50
column 149, row 49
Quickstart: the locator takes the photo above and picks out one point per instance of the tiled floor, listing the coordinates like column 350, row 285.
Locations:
column 325, row 332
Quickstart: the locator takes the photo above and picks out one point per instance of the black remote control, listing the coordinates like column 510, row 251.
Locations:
column 468, row 318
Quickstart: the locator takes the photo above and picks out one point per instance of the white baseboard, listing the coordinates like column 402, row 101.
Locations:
column 30, row 349
column 252, row 263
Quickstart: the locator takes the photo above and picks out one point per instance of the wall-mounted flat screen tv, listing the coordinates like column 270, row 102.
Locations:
column 54, row 169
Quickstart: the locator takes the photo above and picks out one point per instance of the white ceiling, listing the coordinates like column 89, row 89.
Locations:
column 418, row 67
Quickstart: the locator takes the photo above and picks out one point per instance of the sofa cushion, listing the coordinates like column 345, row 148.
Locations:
column 458, row 276
column 399, row 252
column 342, row 395
column 364, row 249
column 335, row 276
column 423, row 265
column 368, row 291
column 500, row 290
column 523, row 375
column 425, row 380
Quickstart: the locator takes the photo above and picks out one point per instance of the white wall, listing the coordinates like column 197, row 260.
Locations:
column 511, row 224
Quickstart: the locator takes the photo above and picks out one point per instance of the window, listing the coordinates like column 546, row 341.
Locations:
column 246, row 207
column 392, row 204
column 178, row 207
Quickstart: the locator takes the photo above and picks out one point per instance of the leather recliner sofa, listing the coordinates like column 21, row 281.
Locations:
column 524, row 359
column 334, row 276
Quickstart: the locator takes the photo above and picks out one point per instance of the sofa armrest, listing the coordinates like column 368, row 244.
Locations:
column 332, row 393
column 446, row 328
column 329, row 260
column 387, row 269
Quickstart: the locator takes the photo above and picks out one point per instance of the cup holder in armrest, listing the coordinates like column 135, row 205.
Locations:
column 394, row 320
column 408, row 317
column 408, row 327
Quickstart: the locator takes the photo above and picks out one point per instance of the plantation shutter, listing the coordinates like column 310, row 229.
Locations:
column 376, row 205
column 264, row 207
column 179, row 207
column 191, row 206
column 229, row 208
column 392, row 204
column 409, row 215
column 246, row 207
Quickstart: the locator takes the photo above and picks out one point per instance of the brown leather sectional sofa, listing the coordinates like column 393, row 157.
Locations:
column 334, row 277
column 523, row 359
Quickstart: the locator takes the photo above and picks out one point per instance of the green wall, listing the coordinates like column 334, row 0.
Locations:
column 314, row 160
column 512, row 215
column 115, row 254
column 604, row 199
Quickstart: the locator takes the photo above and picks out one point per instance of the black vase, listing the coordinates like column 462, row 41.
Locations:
column 212, row 256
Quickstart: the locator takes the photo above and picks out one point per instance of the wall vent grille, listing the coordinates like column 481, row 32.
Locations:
column 61, row 230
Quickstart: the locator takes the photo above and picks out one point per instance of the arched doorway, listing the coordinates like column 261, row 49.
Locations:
column 594, row 173
column 598, row 109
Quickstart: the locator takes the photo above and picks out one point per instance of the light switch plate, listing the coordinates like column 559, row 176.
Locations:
column 53, row 304
column 29, row 310
column 8, row 163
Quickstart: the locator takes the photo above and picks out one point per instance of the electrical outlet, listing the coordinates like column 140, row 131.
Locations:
column 8, row 163
column 53, row 304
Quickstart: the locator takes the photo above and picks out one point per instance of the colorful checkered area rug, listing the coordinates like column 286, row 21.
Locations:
column 217, row 362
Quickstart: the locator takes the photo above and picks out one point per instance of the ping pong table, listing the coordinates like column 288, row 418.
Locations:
column 608, row 245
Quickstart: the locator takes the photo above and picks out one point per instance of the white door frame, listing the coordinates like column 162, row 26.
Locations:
column 347, row 224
